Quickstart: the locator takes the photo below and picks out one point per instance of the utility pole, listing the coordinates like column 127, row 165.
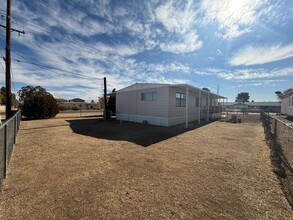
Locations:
column 218, row 87
column 8, row 58
column 8, row 62
column 105, row 99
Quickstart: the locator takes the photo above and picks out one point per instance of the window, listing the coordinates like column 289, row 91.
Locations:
column 291, row 101
column 149, row 96
column 180, row 99
column 197, row 101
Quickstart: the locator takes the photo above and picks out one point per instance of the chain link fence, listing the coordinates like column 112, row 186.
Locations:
column 279, row 137
column 8, row 132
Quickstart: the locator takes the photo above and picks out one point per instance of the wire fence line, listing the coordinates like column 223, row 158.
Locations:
column 279, row 137
column 8, row 132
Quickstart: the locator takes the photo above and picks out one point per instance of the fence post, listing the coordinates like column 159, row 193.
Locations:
column 5, row 150
column 275, row 133
column 14, row 130
column 18, row 119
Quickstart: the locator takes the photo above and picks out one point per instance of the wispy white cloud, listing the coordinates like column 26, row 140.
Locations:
column 179, row 20
column 236, row 18
column 265, row 81
column 168, row 68
column 247, row 85
column 219, row 52
column 246, row 74
column 260, row 54
column 176, row 17
column 253, row 83
column 188, row 43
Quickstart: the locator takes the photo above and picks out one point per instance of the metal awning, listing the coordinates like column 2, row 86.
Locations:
column 192, row 88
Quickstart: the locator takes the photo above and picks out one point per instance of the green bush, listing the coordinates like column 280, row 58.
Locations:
column 37, row 103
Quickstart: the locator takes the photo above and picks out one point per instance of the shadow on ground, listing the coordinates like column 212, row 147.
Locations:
column 141, row 134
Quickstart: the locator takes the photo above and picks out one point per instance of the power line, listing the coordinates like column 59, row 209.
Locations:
column 60, row 70
column 12, row 79
column 2, row 67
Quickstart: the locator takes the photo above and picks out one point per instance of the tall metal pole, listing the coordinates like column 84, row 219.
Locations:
column 105, row 99
column 8, row 62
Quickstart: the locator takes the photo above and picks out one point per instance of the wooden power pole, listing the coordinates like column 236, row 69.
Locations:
column 105, row 99
column 8, row 58
column 8, row 61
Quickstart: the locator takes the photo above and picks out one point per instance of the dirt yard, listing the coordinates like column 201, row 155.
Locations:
column 84, row 168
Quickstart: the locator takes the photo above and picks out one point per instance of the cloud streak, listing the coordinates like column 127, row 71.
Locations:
column 246, row 74
column 261, row 54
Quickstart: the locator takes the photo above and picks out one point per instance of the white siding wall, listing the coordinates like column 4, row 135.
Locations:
column 130, row 102
column 126, row 102
column 158, row 107
column 285, row 108
column 163, row 110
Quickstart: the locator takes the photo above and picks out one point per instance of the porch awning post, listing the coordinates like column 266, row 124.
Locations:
column 214, row 103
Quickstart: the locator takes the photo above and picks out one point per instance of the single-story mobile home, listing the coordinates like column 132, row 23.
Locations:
column 287, row 103
column 165, row 104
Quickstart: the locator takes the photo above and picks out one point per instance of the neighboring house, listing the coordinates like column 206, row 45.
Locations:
column 75, row 104
column 76, row 100
column 287, row 103
column 274, row 107
column 165, row 104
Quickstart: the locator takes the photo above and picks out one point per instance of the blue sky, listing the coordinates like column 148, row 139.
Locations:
column 70, row 45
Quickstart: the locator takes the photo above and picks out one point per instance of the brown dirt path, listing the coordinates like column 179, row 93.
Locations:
column 84, row 168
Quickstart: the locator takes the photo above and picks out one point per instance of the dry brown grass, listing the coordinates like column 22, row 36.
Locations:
column 84, row 168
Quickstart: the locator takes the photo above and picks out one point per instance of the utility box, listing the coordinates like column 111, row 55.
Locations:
column 233, row 118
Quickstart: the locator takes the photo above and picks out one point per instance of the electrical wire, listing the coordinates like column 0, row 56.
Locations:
column 12, row 80
column 56, row 69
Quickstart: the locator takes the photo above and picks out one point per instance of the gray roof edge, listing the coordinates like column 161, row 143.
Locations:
column 170, row 85
column 135, row 84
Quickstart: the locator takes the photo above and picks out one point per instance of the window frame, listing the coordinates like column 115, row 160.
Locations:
column 148, row 96
column 180, row 98
column 290, row 101
column 197, row 101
